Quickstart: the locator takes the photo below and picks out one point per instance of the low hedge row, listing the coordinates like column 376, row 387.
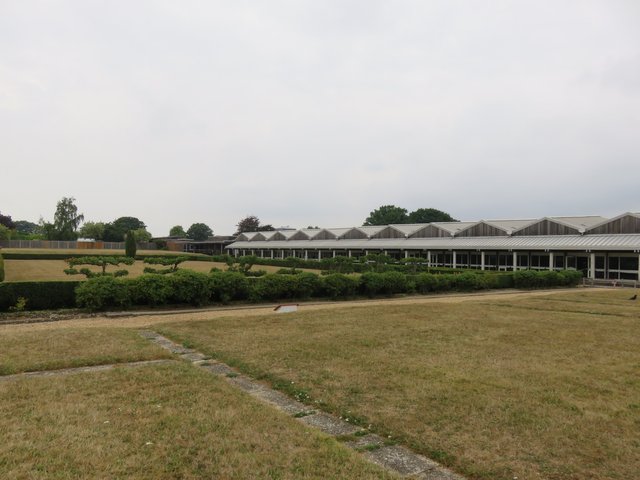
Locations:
column 38, row 295
column 1, row 268
column 194, row 288
column 26, row 255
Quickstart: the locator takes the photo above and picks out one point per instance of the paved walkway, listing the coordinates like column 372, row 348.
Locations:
column 396, row 458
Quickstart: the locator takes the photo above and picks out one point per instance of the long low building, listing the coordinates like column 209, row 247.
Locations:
column 602, row 248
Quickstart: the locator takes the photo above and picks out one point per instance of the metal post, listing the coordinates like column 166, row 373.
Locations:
column 515, row 261
column 551, row 261
column 592, row 266
column 454, row 259
column 482, row 260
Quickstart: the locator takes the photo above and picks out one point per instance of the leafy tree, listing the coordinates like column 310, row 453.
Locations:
column 142, row 235
column 130, row 246
column 171, row 262
column 98, row 261
column 251, row 223
column 116, row 230
column 5, row 233
column 7, row 222
column 177, row 231
column 27, row 228
column 199, row 232
column 65, row 221
column 93, row 230
column 386, row 215
column 428, row 215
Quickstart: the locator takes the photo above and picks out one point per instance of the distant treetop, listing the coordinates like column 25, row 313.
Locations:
column 391, row 214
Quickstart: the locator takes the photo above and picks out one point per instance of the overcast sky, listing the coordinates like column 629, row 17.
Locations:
column 317, row 112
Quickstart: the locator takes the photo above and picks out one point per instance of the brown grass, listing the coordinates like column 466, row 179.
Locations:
column 533, row 388
column 41, row 270
column 161, row 422
column 53, row 349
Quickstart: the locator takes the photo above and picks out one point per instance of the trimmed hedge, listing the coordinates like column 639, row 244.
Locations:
column 64, row 255
column 39, row 295
column 194, row 288
column 1, row 268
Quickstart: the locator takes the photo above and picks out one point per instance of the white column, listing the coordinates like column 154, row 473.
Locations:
column 306, row 255
column 429, row 258
column 319, row 254
column 349, row 253
column 454, row 259
column 272, row 254
column 334, row 253
column 515, row 261
column 406, row 254
column 481, row 260
column 282, row 254
column 551, row 260
column 592, row 265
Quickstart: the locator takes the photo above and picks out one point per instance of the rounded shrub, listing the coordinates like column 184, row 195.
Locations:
column 227, row 286
column 100, row 293
column 150, row 289
column 337, row 285
column 189, row 287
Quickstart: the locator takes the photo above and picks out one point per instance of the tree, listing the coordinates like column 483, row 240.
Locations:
column 5, row 233
column 199, row 232
column 65, row 221
column 98, row 261
column 130, row 246
column 177, row 231
column 25, row 227
column 386, row 215
column 142, row 235
column 251, row 223
column 7, row 222
column 116, row 230
column 93, row 230
column 428, row 215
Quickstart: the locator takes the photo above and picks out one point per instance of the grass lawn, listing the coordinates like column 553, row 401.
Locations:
column 545, row 387
column 51, row 349
column 163, row 422
column 40, row 270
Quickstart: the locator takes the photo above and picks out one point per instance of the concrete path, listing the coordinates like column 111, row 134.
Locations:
column 396, row 458
column 72, row 371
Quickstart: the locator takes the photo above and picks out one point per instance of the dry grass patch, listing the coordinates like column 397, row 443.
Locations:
column 53, row 349
column 162, row 422
column 43, row 270
column 494, row 391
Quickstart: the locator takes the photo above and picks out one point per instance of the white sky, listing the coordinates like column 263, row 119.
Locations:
column 317, row 112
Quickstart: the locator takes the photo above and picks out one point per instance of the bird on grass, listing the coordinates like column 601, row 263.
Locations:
column 634, row 297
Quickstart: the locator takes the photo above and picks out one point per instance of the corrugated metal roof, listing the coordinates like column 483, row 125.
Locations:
column 630, row 242
column 605, row 221
column 453, row 227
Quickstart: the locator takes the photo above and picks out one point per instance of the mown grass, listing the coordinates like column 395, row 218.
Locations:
column 163, row 422
column 42, row 270
column 547, row 387
column 54, row 349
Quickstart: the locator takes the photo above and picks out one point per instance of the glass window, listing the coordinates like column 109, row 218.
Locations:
column 629, row 263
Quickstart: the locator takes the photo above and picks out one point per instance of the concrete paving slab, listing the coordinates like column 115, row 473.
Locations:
column 401, row 460
column 281, row 401
column 219, row 368
column 366, row 441
column 194, row 357
column 329, row 424
column 246, row 384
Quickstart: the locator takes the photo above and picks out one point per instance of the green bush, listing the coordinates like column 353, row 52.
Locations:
column 272, row 287
column 99, row 293
column 255, row 273
column 337, row 285
column 189, row 287
column 39, row 295
column 387, row 283
column 425, row 283
column 227, row 286
column 1, row 268
column 151, row 289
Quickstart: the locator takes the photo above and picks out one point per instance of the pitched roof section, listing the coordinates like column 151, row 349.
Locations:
column 626, row 223
column 492, row 228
